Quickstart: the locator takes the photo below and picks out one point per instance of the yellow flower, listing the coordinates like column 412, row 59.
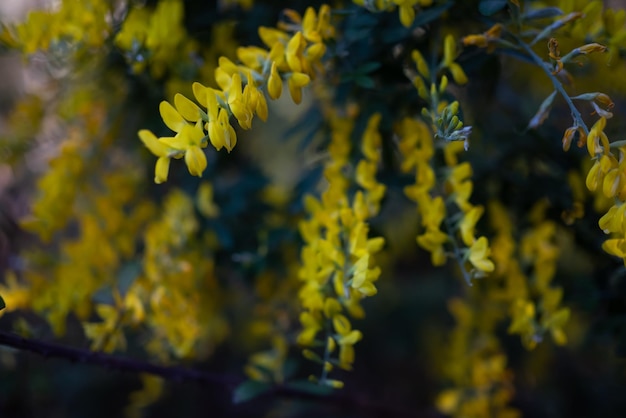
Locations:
column 159, row 149
column 449, row 55
column 406, row 11
column 195, row 160
column 433, row 241
column 295, row 82
column 293, row 53
column 190, row 139
column 597, row 141
column 363, row 277
column 554, row 322
column 485, row 40
column 479, row 254
column 274, row 83
column 469, row 223
column 237, row 103
column 347, row 337
column 598, row 171
column 523, row 322
column 616, row 247
column 614, row 220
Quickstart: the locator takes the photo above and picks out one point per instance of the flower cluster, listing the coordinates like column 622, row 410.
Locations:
column 178, row 286
column 607, row 175
column 292, row 55
column 90, row 262
column 155, row 37
column 476, row 364
column 475, row 361
column 436, row 193
column 338, row 268
column 533, row 302
column 85, row 23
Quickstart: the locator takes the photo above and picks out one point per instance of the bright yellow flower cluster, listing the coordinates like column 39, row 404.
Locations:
column 293, row 56
column 108, row 335
column 167, row 294
column 607, row 175
column 338, row 268
column 178, row 287
column 534, row 304
column 434, row 196
column 406, row 8
column 85, row 23
column 89, row 263
column 475, row 361
column 417, row 147
column 172, row 294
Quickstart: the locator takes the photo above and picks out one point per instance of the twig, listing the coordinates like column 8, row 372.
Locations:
column 557, row 84
column 78, row 355
column 346, row 401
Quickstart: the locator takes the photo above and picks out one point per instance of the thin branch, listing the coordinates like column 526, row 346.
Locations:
column 346, row 401
column 109, row 361
column 555, row 81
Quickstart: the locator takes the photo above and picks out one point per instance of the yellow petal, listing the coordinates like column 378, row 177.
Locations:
column 161, row 170
column 171, row 117
column 449, row 50
column 293, row 52
column 151, row 142
column 200, row 93
column 341, row 325
column 195, row 160
column 187, row 109
column 407, row 15
column 274, row 83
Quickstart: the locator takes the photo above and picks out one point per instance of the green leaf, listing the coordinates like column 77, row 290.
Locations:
column 2, row 304
column 431, row 14
column 489, row 7
column 368, row 67
column 309, row 387
column 364, row 81
column 127, row 276
column 249, row 390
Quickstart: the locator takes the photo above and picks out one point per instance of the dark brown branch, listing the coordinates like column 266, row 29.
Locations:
column 342, row 400
column 109, row 361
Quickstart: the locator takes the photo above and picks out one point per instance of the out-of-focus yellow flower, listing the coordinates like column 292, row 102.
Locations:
column 479, row 254
column 449, row 57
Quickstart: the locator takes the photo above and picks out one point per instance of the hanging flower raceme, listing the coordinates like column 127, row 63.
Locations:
column 440, row 199
column 338, row 267
column 293, row 55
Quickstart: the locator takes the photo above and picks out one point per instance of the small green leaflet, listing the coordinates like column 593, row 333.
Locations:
column 249, row 390
column 309, row 387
